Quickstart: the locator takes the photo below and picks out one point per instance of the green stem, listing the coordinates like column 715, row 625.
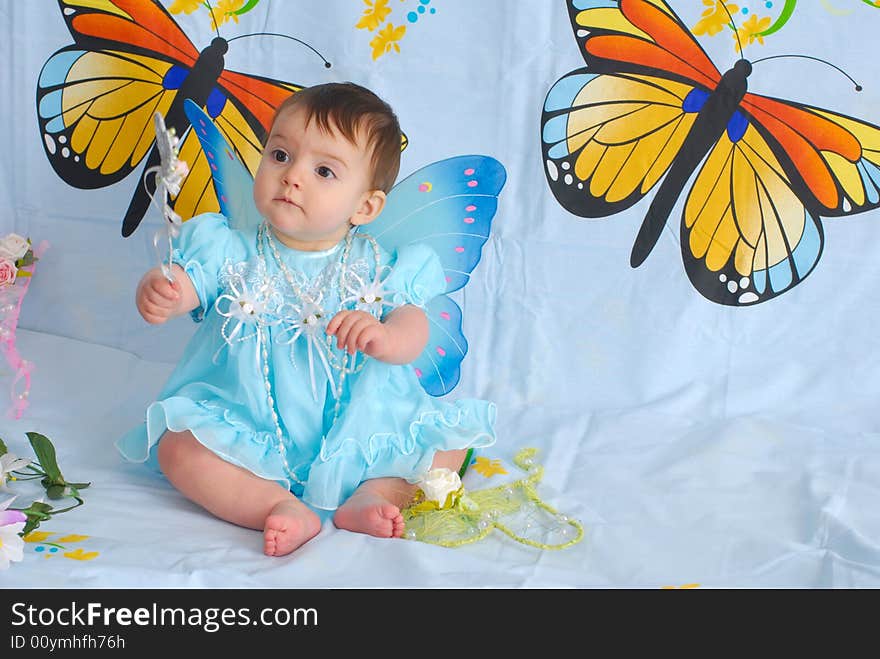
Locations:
column 64, row 510
column 787, row 11
column 247, row 7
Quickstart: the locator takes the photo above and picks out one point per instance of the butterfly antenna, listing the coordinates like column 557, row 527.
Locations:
column 327, row 64
column 816, row 59
column 733, row 27
column 213, row 18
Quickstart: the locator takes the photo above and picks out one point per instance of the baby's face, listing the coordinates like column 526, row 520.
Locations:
column 310, row 184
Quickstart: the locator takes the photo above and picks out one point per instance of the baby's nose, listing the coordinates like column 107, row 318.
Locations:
column 291, row 177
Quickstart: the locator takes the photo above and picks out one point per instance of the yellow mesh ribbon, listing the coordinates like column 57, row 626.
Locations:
column 513, row 508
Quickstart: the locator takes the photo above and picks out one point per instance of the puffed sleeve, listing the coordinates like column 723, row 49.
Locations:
column 203, row 246
column 416, row 275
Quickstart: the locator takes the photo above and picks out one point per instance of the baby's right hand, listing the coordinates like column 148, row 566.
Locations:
column 157, row 298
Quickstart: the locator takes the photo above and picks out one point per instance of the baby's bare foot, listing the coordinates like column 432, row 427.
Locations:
column 288, row 525
column 370, row 513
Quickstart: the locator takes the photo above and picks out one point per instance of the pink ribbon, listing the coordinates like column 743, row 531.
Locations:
column 11, row 298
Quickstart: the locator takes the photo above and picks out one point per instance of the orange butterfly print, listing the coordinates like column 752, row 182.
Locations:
column 130, row 59
column 650, row 109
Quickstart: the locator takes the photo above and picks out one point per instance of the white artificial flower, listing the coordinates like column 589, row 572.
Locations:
column 8, row 464
column 13, row 246
column 439, row 483
column 11, row 544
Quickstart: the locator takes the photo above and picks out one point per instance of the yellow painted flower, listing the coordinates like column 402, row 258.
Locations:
column 375, row 13
column 751, row 30
column 223, row 11
column 37, row 536
column 72, row 538
column 184, row 6
column 387, row 39
column 714, row 18
column 80, row 555
column 487, row 467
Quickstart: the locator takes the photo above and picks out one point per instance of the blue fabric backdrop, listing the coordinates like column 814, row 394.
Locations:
column 658, row 412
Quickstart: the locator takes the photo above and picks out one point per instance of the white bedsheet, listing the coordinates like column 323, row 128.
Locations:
column 665, row 501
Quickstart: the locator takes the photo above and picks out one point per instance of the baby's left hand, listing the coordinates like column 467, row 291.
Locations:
column 358, row 330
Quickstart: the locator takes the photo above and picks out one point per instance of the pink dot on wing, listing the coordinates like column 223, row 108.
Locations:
column 472, row 184
column 441, row 351
column 459, row 249
column 444, row 315
column 469, row 171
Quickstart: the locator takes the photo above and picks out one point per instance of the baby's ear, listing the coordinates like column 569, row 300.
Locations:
column 372, row 204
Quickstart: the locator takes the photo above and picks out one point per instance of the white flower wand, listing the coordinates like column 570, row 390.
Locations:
column 169, row 175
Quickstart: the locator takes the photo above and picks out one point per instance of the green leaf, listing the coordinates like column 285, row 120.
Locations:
column 79, row 486
column 45, row 453
column 31, row 524
column 38, row 508
column 3, row 449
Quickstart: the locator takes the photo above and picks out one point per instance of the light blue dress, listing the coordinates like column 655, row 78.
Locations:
column 382, row 424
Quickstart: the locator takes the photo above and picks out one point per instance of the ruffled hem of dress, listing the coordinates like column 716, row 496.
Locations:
column 178, row 414
column 416, row 450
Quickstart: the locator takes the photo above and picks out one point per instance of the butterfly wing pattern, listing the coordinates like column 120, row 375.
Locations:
column 233, row 181
column 650, row 109
column 96, row 99
column 448, row 205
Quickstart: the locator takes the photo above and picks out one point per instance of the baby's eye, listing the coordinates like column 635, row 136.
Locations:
column 325, row 172
column 279, row 156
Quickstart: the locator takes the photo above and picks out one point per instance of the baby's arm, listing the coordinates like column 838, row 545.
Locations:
column 399, row 339
column 158, row 299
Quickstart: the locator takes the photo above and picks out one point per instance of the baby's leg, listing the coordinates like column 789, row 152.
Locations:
column 235, row 494
column 375, row 506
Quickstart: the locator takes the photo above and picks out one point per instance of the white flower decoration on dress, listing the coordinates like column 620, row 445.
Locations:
column 169, row 175
column 11, row 544
column 244, row 308
column 371, row 297
column 307, row 319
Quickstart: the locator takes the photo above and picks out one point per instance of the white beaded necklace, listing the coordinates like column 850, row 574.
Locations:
column 345, row 364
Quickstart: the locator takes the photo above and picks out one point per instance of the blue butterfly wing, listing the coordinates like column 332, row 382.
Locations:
column 233, row 183
column 439, row 366
column 448, row 205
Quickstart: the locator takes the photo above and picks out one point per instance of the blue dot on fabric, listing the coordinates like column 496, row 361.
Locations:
column 53, row 550
column 769, row 5
column 433, row 11
column 421, row 10
column 425, row 2
column 745, row 10
column 412, row 17
column 39, row 548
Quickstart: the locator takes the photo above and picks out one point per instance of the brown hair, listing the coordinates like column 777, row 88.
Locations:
column 348, row 108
